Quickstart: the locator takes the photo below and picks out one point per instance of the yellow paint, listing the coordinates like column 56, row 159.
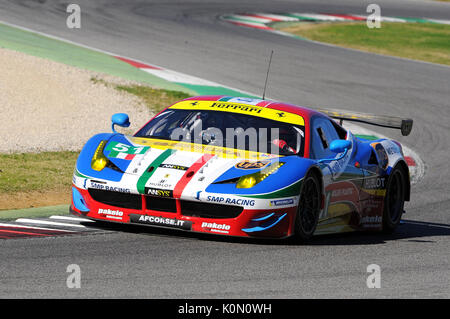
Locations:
column 199, row 148
column 239, row 108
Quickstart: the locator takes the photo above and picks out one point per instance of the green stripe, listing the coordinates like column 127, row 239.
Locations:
column 74, row 55
column 367, row 137
column 77, row 173
column 299, row 17
column 243, row 20
column 417, row 20
column 146, row 175
column 292, row 190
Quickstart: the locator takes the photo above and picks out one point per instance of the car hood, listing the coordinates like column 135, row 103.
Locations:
column 149, row 166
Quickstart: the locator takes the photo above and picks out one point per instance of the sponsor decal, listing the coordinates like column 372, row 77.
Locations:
column 282, row 202
column 173, row 166
column 374, row 183
column 112, row 214
column 341, row 192
column 235, row 106
column 109, row 188
column 338, row 167
column 371, row 221
column 231, row 201
column 251, row 165
column 158, row 192
column 161, row 184
column 217, row 228
column 124, row 151
column 161, row 221
column 241, row 108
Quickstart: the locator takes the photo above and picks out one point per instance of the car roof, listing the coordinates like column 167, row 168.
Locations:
column 271, row 104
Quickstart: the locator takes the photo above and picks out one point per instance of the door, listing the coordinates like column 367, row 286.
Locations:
column 342, row 177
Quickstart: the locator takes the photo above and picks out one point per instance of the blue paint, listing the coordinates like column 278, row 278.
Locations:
column 261, row 228
column 293, row 170
column 120, row 119
column 263, row 218
column 78, row 201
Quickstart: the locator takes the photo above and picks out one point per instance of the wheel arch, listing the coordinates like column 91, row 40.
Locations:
column 407, row 183
column 318, row 173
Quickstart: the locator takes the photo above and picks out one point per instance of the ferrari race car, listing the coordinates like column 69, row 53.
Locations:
column 244, row 167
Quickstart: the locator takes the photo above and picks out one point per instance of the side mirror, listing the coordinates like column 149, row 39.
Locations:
column 120, row 119
column 339, row 146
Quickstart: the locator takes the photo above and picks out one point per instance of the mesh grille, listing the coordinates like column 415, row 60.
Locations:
column 161, row 204
column 207, row 210
column 123, row 200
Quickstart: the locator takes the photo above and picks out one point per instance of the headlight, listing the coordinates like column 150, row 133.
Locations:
column 99, row 161
column 251, row 180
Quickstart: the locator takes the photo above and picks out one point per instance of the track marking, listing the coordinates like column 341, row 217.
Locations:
column 77, row 219
column 44, row 222
column 21, row 233
column 32, row 227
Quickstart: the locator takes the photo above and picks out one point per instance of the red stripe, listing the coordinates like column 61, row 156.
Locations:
column 410, row 161
column 263, row 103
column 137, row 64
column 250, row 26
column 345, row 16
column 182, row 183
column 35, row 231
column 130, row 156
column 262, row 17
column 21, row 232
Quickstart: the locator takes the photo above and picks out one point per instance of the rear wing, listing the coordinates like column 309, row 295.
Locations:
column 405, row 125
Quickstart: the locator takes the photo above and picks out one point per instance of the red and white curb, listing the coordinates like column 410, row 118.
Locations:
column 194, row 84
column 264, row 20
column 168, row 75
column 46, row 227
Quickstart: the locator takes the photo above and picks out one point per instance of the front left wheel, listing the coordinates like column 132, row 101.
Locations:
column 308, row 208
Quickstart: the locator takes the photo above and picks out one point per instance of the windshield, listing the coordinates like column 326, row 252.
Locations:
column 226, row 129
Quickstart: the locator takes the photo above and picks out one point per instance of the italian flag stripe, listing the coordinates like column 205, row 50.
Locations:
column 189, row 174
column 149, row 172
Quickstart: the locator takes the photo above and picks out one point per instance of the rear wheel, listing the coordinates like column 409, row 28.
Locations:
column 308, row 208
column 394, row 201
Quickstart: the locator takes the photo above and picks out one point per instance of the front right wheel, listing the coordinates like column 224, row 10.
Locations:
column 394, row 201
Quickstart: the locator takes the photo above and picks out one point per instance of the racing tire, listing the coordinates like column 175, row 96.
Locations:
column 308, row 208
column 394, row 200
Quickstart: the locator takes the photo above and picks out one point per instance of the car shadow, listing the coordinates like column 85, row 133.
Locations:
column 409, row 230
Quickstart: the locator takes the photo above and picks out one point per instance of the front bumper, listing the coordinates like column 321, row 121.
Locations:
column 181, row 214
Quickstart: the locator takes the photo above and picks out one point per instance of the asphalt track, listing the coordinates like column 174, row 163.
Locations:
column 188, row 37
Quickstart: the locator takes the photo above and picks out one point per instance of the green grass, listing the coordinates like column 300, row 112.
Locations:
column 34, row 212
column 419, row 41
column 28, row 172
column 43, row 179
column 154, row 99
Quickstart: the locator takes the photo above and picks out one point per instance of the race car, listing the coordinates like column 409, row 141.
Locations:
column 245, row 167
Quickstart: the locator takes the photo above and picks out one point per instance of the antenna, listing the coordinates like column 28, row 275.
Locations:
column 267, row 76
